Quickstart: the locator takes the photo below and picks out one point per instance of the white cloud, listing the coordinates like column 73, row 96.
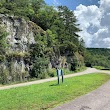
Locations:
column 107, row 40
column 56, row 2
column 95, row 24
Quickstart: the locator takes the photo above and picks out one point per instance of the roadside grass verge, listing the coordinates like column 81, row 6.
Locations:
column 48, row 95
column 99, row 67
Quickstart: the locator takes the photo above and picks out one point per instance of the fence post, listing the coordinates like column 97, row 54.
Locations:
column 58, row 75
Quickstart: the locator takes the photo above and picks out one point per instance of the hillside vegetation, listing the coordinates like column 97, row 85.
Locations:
column 98, row 57
column 55, row 33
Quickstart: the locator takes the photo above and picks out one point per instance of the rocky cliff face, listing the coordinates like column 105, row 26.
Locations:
column 20, row 37
column 19, row 33
column 18, row 64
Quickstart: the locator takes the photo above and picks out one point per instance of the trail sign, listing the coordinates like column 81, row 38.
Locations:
column 60, row 73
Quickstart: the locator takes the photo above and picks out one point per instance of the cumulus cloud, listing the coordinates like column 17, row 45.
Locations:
column 95, row 24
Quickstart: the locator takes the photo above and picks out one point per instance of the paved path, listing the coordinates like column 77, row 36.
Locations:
column 88, row 71
column 96, row 100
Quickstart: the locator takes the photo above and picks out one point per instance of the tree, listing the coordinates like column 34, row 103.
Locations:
column 51, row 38
column 39, row 60
column 37, row 4
column 69, row 33
column 81, row 47
column 69, row 20
column 22, row 8
column 45, row 17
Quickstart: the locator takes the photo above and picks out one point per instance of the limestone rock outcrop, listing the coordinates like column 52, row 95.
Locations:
column 20, row 37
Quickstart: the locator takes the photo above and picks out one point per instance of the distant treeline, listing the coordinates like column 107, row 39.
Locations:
column 98, row 57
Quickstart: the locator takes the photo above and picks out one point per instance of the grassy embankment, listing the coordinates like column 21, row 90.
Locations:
column 47, row 95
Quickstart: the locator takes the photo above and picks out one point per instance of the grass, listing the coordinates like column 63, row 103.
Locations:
column 48, row 95
column 99, row 67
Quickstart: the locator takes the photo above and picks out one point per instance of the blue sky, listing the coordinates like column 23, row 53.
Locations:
column 72, row 4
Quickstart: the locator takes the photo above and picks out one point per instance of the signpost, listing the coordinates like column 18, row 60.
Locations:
column 60, row 73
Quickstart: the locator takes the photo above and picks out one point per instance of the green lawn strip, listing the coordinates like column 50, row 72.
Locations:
column 47, row 95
